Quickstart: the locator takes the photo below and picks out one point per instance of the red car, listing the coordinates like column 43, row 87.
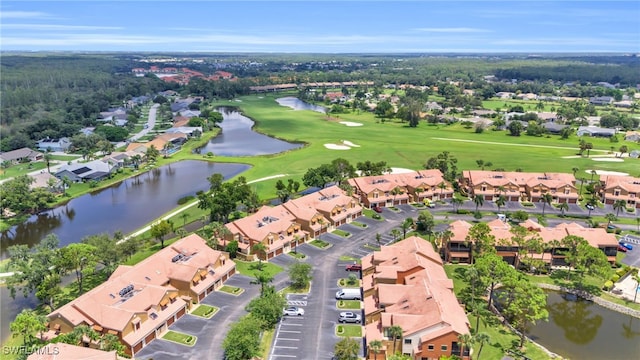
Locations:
column 622, row 248
column 377, row 209
column 353, row 267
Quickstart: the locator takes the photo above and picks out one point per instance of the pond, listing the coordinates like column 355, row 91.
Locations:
column 581, row 329
column 125, row 206
column 238, row 138
column 297, row 104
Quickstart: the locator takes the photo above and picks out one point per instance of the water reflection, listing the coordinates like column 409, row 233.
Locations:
column 238, row 139
column 124, row 206
column 297, row 104
column 585, row 330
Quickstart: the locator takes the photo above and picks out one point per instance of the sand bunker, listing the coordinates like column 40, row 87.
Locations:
column 349, row 123
column 605, row 172
column 349, row 143
column 336, row 147
column 609, row 159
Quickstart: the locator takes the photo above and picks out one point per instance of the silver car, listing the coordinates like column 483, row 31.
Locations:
column 349, row 317
column 293, row 311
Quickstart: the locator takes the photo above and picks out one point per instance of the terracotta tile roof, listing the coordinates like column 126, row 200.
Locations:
column 422, row 296
column 384, row 183
column 267, row 220
column 62, row 351
column 503, row 178
column 628, row 183
column 134, row 289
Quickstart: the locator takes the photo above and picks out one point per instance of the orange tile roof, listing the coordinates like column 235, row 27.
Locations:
column 384, row 183
column 267, row 220
column 503, row 178
column 631, row 184
column 422, row 296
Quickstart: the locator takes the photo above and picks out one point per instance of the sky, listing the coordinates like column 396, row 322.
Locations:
column 470, row 26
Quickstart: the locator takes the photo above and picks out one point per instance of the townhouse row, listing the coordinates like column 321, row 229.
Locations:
column 458, row 246
column 138, row 303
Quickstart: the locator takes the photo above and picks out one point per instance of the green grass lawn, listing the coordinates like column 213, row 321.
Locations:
column 297, row 255
column 21, row 169
column 359, row 224
column 349, row 330
column 250, row 268
column 349, row 258
column 341, row 233
column 180, row 338
column 320, row 244
column 64, row 157
column 371, row 247
column 231, row 290
column 344, row 283
column 265, row 343
column 292, row 290
column 205, row 311
column 348, row 304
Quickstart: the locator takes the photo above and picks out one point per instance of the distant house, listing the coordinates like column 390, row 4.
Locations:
column 432, row 105
column 547, row 116
column 554, row 128
column 623, row 103
column 21, row 156
column 187, row 130
column 61, row 144
column 595, row 131
column 601, row 100
column 179, row 106
column 87, row 131
column 504, row 95
column 632, row 136
column 527, row 96
column 483, row 112
column 78, row 172
column 46, row 180
column 190, row 113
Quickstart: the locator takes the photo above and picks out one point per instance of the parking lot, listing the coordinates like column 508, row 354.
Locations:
column 289, row 337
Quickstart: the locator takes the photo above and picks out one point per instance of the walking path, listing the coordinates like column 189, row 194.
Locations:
column 575, row 148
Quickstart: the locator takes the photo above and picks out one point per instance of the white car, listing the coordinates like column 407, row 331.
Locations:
column 293, row 311
column 349, row 317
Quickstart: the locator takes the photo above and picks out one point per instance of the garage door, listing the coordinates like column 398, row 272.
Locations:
column 279, row 252
column 180, row 313
column 150, row 337
column 170, row 321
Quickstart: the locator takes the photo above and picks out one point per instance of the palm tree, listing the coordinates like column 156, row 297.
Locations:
column 481, row 338
column 619, row 205
column 593, row 172
column 563, row 207
column 395, row 233
column 501, row 202
column 588, row 146
column 593, row 202
column 442, row 186
column 376, row 346
column 152, row 153
column 610, row 217
column 262, row 278
column 395, row 333
column 479, row 201
column 406, row 225
column 395, row 192
column 184, row 216
column 47, row 158
column 623, row 149
column 456, row 202
column 466, row 340
column 261, row 250
column 546, row 199
column 378, row 238
column 575, row 170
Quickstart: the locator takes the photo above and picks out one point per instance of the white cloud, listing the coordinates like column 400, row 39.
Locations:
column 23, row 15
column 454, row 30
column 52, row 27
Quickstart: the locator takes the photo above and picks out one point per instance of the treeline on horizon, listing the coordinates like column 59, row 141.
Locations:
column 57, row 94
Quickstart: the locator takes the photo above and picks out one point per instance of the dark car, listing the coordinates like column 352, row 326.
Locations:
column 622, row 248
column 377, row 209
column 353, row 267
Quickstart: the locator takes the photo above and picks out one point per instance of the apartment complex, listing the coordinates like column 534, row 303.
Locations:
column 395, row 189
column 625, row 188
column 520, row 186
column 138, row 303
column 458, row 247
column 281, row 228
column 405, row 285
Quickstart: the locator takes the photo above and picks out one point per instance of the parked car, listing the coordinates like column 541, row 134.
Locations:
column 622, row 248
column 626, row 245
column 590, row 207
column 349, row 294
column 377, row 209
column 353, row 267
column 349, row 317
column 293, row 311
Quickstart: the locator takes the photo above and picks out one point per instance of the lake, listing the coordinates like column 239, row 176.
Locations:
column 584, row 330
column 297, row 104
column 238, row 138
column 125, row 206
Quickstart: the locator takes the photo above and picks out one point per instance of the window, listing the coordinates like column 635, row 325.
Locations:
column 616, row 192
column 430, row 347
column 443, row 347
column 567, row 191
column 407, row 341
column 484, row 188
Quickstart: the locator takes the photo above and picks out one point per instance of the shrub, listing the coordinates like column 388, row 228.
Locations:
column 621, row 272
column 186, row 199
column 463, row 211
column 376, row 216
column 615, row 277
column 608, row 285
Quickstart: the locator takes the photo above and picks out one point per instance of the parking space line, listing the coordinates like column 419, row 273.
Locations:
column 285, row 347
column 288, row 339
column 291, row 324
column 290, row 331
column 289, row 356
